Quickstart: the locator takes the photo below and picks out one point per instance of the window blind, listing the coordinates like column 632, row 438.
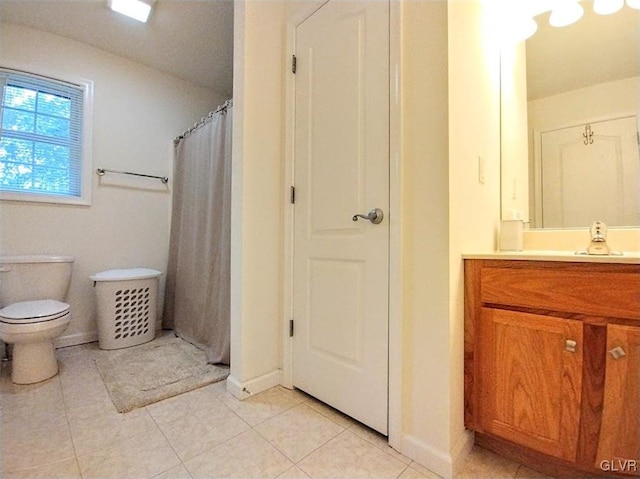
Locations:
column 40, row 134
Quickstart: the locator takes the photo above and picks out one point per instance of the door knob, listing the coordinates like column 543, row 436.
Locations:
column 375, row 216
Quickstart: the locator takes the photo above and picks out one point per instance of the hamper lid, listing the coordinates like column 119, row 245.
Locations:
column 125, row 274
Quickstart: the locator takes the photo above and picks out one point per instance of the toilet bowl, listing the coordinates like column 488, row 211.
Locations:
column 31, row 291
column 31, row 327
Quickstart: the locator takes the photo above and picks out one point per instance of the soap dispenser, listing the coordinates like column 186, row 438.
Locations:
column 512, row 232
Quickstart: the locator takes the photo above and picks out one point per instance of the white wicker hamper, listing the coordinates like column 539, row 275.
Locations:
column 126, row 306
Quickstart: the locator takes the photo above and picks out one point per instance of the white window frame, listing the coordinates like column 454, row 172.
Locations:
column 87, row 128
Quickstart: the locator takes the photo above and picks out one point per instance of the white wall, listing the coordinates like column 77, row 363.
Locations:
column 137, row 112
column 514, row 131
column 474, row 131
column 257, row 198
column 450, row 116
column 426, row 359
column 598, row 102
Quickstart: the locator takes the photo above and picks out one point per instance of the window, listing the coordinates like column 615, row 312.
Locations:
column 44, row 131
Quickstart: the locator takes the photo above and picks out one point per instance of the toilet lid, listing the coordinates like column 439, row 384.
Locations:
column 33, row 311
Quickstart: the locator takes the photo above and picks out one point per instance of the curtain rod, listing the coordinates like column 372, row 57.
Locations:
column 221, row 109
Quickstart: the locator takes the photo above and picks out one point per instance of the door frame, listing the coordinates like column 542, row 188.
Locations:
column 395, row 220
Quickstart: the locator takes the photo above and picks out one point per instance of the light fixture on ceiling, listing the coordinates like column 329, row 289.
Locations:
column 607, row 7
column 634, row 4
column 136, row 9
column 565, row 13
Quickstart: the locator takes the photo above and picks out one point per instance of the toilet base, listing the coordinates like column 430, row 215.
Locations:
column 33, row 362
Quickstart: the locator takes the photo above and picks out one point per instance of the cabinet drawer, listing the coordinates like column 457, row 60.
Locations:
column 614, row 292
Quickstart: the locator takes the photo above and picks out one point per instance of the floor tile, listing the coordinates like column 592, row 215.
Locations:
column 526, row 473
column 202, row 429
column 68, row 424
column 293, row 473
column 217, row 389
column 30, row 419
column 333, row 414
column 483, row 464
column 177, row 407
column 377, row 439
column 25, row 450
column 245, row 456
column 99, row 432
column 142, row 456
column 25, row 400
column 295, row 393
column 61, row 470
column 412, row 472
column 350, row 457
column 257, row 409
column 177, row 472
column 298, row 431
column 424, row 471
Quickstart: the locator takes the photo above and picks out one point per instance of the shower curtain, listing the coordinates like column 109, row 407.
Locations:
column 197, row 297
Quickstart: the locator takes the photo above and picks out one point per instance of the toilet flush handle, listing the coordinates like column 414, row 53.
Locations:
column 4, row 268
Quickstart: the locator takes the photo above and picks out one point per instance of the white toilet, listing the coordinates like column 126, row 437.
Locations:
column 33, row 314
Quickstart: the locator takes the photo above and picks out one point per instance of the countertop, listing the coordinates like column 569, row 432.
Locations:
column 569, row 256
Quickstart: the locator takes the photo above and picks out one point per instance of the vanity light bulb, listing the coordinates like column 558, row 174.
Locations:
column 566, row 13
column 518, row 29
column 607, row 7
column 529, row 27
column 634, row 4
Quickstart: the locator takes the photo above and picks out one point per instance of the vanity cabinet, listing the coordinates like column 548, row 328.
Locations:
column 620, row 431
column 552, row 364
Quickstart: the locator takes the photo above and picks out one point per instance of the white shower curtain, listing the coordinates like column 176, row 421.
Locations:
column 197, row 291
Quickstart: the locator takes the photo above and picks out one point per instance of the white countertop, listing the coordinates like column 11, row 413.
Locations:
column 569, row 256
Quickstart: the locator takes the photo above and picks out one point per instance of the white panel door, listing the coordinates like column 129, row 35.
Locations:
column 342, row 168
column 591, row 172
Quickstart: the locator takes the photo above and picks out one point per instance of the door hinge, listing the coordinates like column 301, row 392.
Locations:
column 293, row 195
column 291, row 328
column 294, row 62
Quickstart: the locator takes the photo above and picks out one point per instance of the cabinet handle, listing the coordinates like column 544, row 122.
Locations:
column 570, row 345
column 617, row 352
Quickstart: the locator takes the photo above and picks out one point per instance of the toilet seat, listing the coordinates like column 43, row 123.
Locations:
column 30, row 312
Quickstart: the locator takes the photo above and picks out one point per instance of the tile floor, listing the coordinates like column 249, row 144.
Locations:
column 67, row 427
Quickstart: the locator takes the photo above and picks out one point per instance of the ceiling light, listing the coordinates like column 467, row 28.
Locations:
column 634, row 4
column 566, row 13
column 607, row 7
column 136, row 9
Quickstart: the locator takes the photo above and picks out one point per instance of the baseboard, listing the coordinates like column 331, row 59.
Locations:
column 84, row 338
column 76, row 339
column 441, row 463
column 243, row 390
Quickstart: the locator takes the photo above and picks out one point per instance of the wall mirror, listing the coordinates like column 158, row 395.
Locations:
column 569, row 135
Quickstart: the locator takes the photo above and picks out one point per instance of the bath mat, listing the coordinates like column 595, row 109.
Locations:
column 162, row 368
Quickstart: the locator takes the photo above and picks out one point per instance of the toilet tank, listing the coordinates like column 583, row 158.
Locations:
column 31, row 277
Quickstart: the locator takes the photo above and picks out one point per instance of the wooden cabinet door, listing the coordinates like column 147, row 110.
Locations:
column 530, row 368
column 619, row 445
